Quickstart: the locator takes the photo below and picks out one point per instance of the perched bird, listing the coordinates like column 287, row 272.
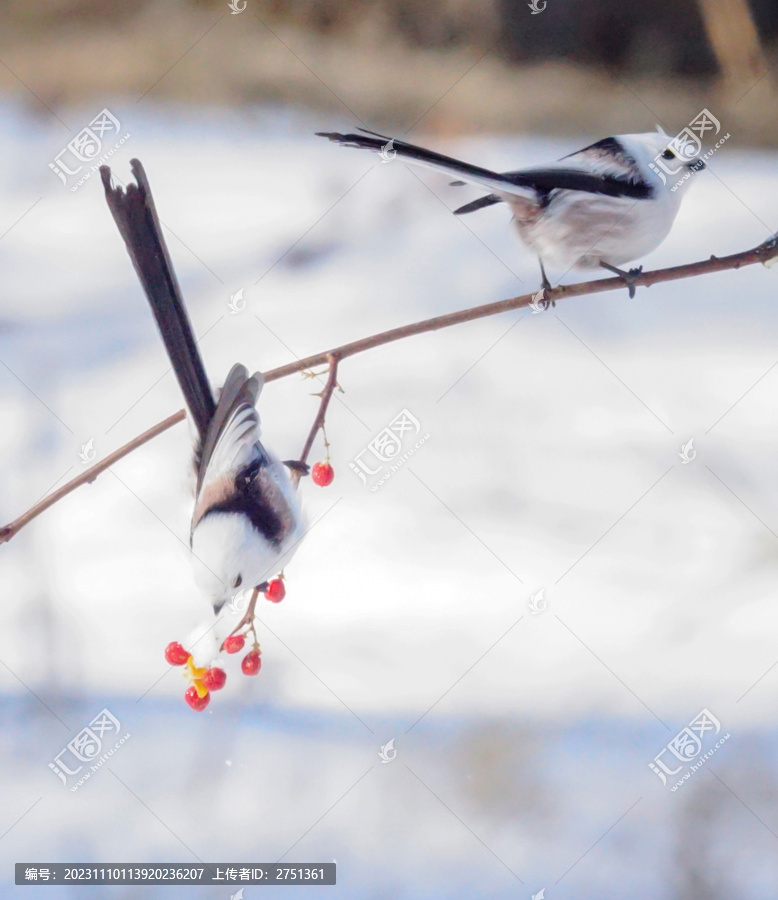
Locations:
column 599, row 207
column 247, row 520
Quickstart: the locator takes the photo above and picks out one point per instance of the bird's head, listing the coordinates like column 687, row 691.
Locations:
column 662, row 159
column 230, row 556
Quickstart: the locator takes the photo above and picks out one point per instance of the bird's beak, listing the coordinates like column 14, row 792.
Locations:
column 218, row 607
column 697, row 166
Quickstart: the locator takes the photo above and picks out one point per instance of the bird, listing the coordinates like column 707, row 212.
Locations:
column 247, row 519
column 600, row 207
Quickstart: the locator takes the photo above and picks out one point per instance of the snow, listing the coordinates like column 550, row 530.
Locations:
column 552, row 463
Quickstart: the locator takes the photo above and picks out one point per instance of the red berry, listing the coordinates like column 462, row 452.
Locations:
column 197, row 702
column 251, row 663
column 322, row 474
column 175, row 654
column 234, row 643
column 276, row 591
column 214, row 678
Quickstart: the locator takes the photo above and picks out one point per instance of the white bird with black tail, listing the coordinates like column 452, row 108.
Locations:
column 600, row 207
column 247, row 520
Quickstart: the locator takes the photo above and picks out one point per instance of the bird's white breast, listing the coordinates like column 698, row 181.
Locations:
column 580, row 229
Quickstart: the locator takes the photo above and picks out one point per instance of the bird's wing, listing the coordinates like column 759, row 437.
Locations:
column 232, row 442
column 235, row 472
column 571, row 177
column 607, row 157
column 234, row 421
column 601, row 168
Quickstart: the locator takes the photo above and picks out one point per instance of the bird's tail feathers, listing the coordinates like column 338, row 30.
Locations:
column 135, row 215
column 372, row 140
column 503, row 185
column 480, row 203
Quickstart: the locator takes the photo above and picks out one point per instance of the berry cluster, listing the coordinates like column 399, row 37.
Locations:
column 205, row 680
column 251, row 662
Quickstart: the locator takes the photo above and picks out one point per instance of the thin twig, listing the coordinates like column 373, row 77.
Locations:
column 318, row 422
column 249, row 616
column 764, row 253
column 761, row 254
column 8, row 531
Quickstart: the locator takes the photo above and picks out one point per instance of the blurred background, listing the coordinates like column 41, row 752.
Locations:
column 547, row 590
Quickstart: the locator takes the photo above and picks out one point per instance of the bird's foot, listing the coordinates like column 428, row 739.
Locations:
column 543, row 299
column 630, row 277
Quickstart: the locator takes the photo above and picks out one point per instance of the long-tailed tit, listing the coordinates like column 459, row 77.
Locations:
column 246, row 521
column 599, row 207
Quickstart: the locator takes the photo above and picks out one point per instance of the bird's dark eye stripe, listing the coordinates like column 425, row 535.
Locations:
column 668, row 154
column 238, row 581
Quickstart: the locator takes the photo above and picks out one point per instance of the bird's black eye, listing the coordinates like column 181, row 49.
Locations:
column 668, row 154
column 238, row 581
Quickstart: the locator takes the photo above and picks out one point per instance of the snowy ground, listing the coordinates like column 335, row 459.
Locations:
column 552, row 463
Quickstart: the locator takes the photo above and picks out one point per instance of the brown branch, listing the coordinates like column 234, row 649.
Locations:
column 326, row 396
column 765, row 253
column 8, row 531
